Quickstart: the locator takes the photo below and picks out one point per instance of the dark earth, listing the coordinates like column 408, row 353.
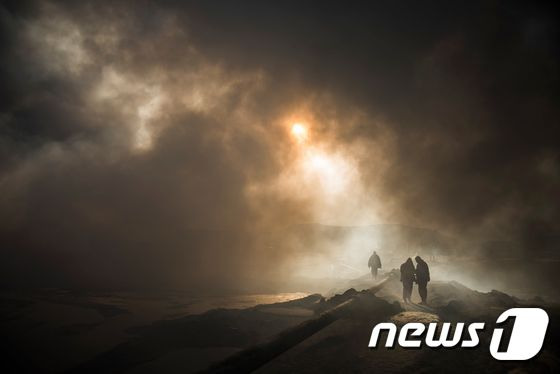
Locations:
column 64, row 331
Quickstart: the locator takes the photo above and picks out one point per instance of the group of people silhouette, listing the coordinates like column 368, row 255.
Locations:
column 409, row 274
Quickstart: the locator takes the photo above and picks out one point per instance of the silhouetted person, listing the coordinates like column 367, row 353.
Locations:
column 374, row 263
column 407, row 279
column 422, row 278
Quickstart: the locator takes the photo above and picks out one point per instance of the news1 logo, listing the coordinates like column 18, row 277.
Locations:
column 526, row 340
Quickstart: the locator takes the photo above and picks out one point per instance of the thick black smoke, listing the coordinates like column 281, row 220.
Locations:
column 141, row 144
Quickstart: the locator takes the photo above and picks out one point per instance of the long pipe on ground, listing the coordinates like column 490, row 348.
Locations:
column 252, row 358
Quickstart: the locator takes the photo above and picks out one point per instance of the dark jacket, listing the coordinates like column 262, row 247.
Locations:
column 374, row 261
column 422, row 271
column 407, row 271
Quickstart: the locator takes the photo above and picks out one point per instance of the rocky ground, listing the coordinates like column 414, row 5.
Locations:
column 307, row 334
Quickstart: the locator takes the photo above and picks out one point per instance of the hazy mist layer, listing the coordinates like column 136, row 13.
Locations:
column 147, row 145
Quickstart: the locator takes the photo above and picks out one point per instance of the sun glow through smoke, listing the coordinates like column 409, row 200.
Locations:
column 299, row 132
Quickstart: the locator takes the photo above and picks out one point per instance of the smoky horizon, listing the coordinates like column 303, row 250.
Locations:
column 223, row 147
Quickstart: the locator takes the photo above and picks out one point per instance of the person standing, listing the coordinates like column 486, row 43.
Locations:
column 374, row 263
column 407, row 279
column 422, row 278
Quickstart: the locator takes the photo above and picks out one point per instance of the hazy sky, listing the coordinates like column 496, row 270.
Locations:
column 147, row 142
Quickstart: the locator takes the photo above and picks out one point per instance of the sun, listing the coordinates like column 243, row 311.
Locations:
column 299, row 132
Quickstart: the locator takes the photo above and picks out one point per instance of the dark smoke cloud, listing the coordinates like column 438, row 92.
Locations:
column 144, row 144
column 468, row 91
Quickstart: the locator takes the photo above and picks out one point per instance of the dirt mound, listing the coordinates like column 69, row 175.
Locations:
column 422, row 317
